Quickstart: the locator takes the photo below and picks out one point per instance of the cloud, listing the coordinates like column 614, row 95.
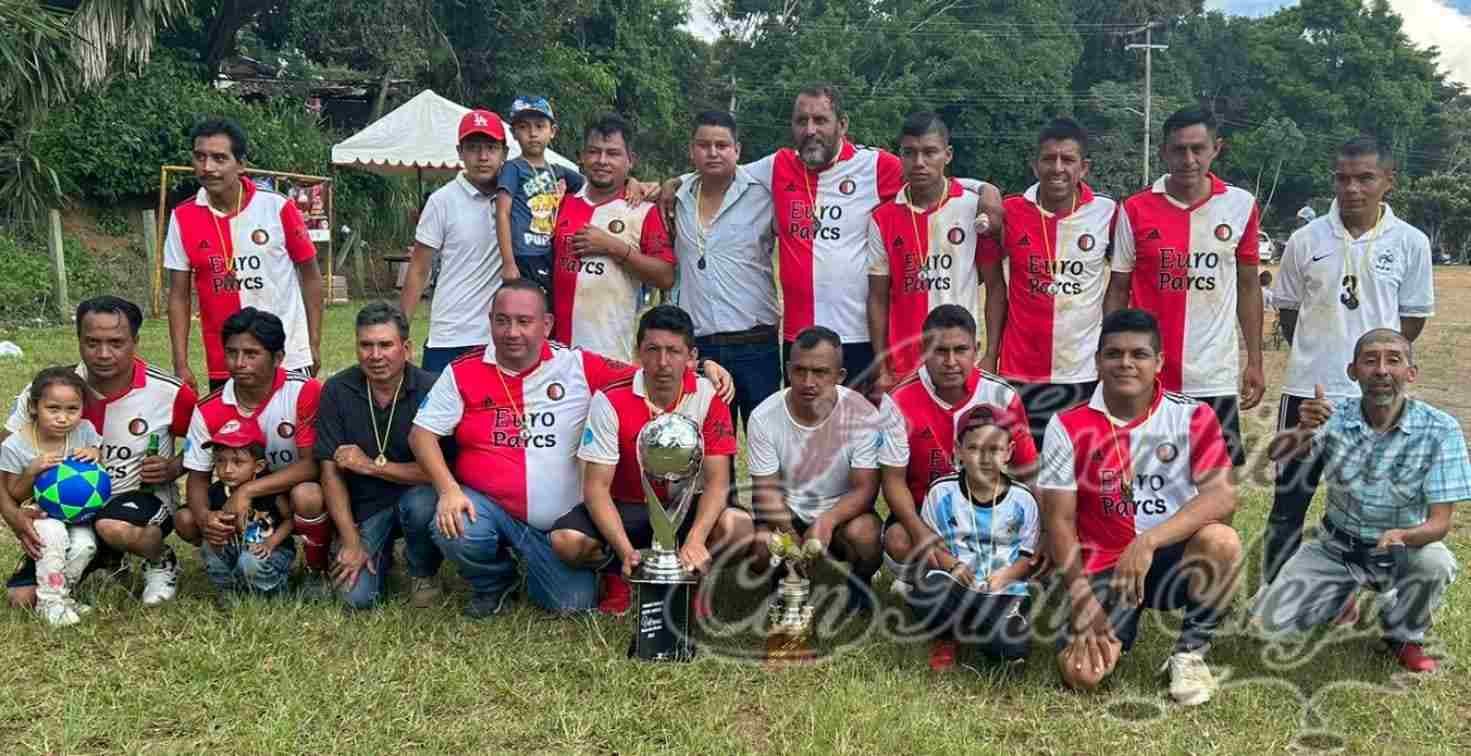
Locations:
column 1431, row 22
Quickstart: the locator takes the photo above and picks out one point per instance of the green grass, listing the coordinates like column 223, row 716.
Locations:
column 295, row 677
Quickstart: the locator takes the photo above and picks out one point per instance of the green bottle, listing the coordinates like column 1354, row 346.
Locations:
column 151, row 451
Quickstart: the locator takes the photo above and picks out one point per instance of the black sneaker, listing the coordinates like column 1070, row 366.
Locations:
column 484, row 605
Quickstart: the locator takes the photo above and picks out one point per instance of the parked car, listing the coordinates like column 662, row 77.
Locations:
column 1269, row 250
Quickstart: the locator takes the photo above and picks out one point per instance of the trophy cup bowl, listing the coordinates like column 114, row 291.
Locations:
column 671, row 451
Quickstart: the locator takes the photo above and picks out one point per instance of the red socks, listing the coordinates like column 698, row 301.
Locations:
column 316, row 540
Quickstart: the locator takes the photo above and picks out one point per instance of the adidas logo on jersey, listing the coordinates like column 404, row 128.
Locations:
column 1025, row 241
column 1153, row 235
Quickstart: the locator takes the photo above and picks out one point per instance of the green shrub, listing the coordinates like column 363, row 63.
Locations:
column 26, row 282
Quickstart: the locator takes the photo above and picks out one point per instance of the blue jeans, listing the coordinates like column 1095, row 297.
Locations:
column 484, row 553
column 233, row 568
column 755, row 368
column 436, row 359
column 377, row 534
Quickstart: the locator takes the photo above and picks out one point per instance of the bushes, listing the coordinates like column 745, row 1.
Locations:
column 25, row 276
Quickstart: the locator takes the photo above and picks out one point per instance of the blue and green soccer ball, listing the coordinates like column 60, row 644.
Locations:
column 73, row 491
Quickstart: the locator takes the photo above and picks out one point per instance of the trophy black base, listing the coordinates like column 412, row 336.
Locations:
column 663, row 614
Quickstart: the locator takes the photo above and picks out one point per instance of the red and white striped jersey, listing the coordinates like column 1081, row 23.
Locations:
column 1176, row 443
column 620, row 411
column 266, row 241
column 518, row 433
column 929, row 425
column 1183, row 262
column 821, row 222
column 155, row 403
column 596, row 298
column 287, row 419
column 930, row 259
column 1058, row 273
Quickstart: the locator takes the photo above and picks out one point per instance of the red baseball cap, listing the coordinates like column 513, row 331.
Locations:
column 235, row 434
column 482, row 122
column 982, row 415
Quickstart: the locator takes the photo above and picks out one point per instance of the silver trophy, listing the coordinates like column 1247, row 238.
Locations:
column 671, row 450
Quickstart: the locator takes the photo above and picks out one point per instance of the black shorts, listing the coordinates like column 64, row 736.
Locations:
column 1043, row 400
column 635, row 523
column 1166, row 587
column 1228, row 414
column 139, row 508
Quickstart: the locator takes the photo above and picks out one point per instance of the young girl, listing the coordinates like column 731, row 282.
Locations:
column 56, row 432
column 988, row 531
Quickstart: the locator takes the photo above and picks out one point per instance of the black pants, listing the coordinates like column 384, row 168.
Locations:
column 1166, row 587
column 536, row 268
column 1297, row 481
column 993, row 622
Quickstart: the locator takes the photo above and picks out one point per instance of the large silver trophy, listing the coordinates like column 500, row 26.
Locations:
column 671, row 450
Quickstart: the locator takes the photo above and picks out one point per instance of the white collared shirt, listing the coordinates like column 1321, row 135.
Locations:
column 459, row 222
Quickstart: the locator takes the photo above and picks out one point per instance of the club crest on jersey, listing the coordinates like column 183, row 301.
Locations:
column 847, row 186
column 260, row 237
column 555, row 392
column 956, row 235
column 1223, row 232
column 1086, row 242
column 137, row 426
column 616, row 226
column 1166, row 452
column 1384, row 262
column 285, row 430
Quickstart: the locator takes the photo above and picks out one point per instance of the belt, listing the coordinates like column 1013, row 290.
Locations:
column 761, row 334
column 1367, row 554
column 1347, row 539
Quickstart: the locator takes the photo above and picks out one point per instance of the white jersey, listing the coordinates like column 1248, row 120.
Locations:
column 287, row 419
column 459, row 222
column 813, row 463
column 1386, row 273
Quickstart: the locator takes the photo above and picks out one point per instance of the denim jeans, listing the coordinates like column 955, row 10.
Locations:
column 755, row 368
column 377, row 534
column 484, row 553
column 233, row 567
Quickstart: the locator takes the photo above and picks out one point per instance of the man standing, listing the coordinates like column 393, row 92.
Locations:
column 812, row 451
column 1186, row 249
column 139, row 411
column 921, row 249
column 362, row 446
column 1136, row 492
column 517, row 416
column 613, row 520
column 240, row 247
column 946, row 386
column 284, row 407
column 1357, row 268
column 458, row 225
column 1397, row 469
column 604, row 248
column 1042, row 326
column 722, row 242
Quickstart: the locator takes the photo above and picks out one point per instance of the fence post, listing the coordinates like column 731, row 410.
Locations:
column 58, row 262
column 150, row 243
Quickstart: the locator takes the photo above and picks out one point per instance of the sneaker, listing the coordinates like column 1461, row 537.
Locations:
column 1191, row 683
column 1412, row 657
column 424, row 592
column 316, row 586
column 58, row 614
column 161, row 579
column 900, row 588
column 1348, row 616
column 702, row 607
column 80, row 608
column 484, row 605
column 617, row 594
column 860, row 595
column 942, row 655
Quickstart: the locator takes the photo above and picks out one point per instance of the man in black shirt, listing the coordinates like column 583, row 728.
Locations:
column 363, row 448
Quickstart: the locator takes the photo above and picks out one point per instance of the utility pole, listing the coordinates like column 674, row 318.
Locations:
column 1148, row 47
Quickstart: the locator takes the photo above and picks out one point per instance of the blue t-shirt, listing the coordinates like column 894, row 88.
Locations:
column 535, row 195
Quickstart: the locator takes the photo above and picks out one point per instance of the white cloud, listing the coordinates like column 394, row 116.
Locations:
column 1430, row 22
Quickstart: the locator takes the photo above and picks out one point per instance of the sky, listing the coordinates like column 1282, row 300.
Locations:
column 1444, row 23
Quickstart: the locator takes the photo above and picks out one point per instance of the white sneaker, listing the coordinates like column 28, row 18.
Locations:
column 1191, row 682
column 900, row 587
column 160, row 579
column 80, row 608
column 58, row 614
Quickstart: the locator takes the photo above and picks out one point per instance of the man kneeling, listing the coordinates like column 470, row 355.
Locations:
column 612, row 523
column 1136, row 490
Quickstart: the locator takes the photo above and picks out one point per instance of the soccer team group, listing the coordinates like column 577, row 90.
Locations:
column 1089, row 431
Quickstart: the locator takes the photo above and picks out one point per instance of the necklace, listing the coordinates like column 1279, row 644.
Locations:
column 1126, row 461
column 812, row 193
column 990, row 531
column 1350, row 295
column 66, row 446
column 1049, row 253
column 915, row 214
column 519, row 417
column 382, row 460
column 228, row 250
column 700, row 221
column 654, row 409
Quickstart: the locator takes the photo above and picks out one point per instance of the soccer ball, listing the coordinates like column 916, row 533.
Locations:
column 73, row 491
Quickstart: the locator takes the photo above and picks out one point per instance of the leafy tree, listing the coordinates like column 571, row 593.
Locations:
column 1440, row 206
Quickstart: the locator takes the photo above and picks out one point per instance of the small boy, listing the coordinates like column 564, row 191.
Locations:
column 259, row 559
column 531, row 188
column 988, row 531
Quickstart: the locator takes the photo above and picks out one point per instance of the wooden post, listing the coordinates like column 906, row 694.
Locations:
column 58, row 261
column 150, row 243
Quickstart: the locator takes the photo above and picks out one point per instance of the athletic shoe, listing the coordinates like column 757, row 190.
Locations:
column 161, row 579
column 484, row 605
column 58, row 614
column 900, row 588
column 617, row 594
column 315, row 586
column 80, row 608
column 860, row 595
column 1348, row 616
column 942, row 654
column 424, row 592
column 702, row 608
column 1412, row 656
column 1191, row 683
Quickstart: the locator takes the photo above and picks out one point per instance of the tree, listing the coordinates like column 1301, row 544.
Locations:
column 1439, row 205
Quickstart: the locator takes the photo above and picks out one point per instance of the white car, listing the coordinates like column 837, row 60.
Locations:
column 1266, row 248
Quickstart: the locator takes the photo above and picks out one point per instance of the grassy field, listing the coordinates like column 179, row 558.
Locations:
column 288, row 676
